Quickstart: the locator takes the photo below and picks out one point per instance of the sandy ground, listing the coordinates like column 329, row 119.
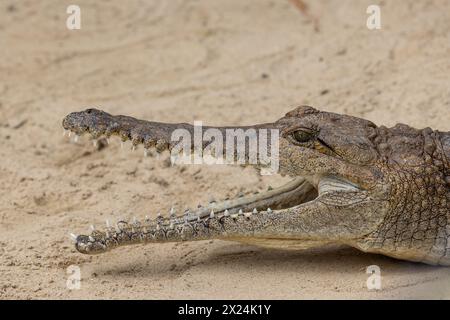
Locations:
column 222, row 62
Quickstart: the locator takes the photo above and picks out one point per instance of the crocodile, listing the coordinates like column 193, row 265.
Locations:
column 378, row 189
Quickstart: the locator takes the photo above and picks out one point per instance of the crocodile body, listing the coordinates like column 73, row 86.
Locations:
column 381, row 190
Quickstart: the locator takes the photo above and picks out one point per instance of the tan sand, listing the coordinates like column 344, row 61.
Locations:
column 222, row 62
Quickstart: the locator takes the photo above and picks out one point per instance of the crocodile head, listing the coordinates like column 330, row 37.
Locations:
column 340, row 190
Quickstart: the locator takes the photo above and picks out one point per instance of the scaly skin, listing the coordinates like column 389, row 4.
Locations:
column 382, row 190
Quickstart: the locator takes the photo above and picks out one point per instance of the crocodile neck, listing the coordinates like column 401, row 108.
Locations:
column 419, row 205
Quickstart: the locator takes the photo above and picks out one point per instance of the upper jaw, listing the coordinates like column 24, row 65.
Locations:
column 148, row 133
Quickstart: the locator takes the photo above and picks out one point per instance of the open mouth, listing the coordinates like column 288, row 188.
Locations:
column 213, row 216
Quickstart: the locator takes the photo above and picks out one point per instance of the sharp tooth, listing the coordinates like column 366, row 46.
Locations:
column 173, row 160
column 75, row 139
column 158, row 227
column 92, row 227
column 70, row 133
column 211, row 215
column 133, row 148
column 91, row 239
column 73, row 237
column 145, row 153
column 199, row 219
column 107, row 223
column 172, row 211
column 255, row 211
column 226, row 213
column 107, row 141
column 269, row 210
column 94, row 143
column 171, row 225
column 240, row 211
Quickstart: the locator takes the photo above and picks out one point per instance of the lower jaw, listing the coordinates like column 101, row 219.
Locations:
column 294, row 193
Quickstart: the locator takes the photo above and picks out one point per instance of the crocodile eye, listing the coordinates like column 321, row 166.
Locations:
column 302, row 136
